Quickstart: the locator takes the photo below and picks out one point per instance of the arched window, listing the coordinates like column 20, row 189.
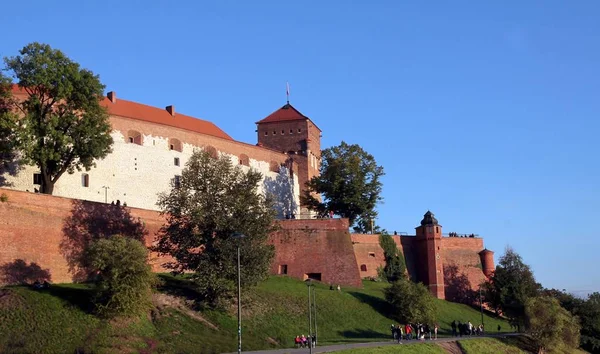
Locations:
column 211, row 151
column 274, row 167
column 134, row 137
column 175, row 145
column 85, row 180
column 363, row 267
column 244, row 160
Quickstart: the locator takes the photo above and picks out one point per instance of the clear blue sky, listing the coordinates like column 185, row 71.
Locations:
column 487, row 114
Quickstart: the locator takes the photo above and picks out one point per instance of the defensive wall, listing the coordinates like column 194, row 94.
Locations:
column 31, row 229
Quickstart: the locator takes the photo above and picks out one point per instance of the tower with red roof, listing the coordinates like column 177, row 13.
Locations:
column 289, row 131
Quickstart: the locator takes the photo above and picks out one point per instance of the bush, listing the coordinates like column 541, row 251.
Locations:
column 550, row 325
column 394, row 268
column 411, row 302
column 3, row 198
column 123, row 277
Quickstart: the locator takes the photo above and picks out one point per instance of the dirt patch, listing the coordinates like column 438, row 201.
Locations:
column 451, row 347
column 10, row 300
column 168, row 301
column 272, row 341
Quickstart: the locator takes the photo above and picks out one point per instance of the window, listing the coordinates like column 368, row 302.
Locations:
column 437, row 229
column 274, row 132
column 372, row 254
column 85, row 180
column 282, row 269
column 291, row 131
column 177, row 181
column 176, row 161
column 212, row 152
column 134, row 137
column 244, row 160
column 37, row 178
column 282, row 131
column 299, row 130
column 266, row 133
column 363, row 267
column 175, row 145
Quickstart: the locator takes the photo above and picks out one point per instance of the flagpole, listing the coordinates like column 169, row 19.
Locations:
column 287, row 92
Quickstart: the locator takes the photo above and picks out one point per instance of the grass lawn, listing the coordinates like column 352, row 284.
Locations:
column 488, row 346
column 59, row 320
column 424, row 348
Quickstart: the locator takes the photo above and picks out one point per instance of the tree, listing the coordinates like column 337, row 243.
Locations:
column 394, row 268
column 511, row 285
column 124, row 279
column 213, row 200
column 62, row 127
column 550, row 325
column 411, row 302
column 349, row 184
column 8, row 123
column 90, row 222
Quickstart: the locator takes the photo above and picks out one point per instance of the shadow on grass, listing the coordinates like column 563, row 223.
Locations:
column 359, row 333
column 80, row 296
column 378, row 304
column 178, row 286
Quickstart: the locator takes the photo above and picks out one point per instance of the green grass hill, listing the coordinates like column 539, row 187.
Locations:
column 58, row 320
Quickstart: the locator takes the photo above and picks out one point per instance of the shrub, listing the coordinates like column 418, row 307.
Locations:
column 411, row 302
column 123, row 277
column 550, row 325
column 3, row 198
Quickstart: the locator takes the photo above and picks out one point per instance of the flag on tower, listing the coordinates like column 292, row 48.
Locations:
column 287, row 91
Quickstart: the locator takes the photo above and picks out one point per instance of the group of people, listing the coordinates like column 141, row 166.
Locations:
column 419, row 331
column 466, row 329
column 454, row 234
column 304, row 341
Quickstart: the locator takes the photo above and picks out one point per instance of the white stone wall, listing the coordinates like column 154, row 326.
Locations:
column 136, row 174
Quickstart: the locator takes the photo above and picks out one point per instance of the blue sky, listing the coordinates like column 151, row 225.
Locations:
column 487, row 114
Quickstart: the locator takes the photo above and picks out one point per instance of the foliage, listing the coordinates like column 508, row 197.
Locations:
column 394, row 268
column 63, row 127
column 89, row 222
column 349, row 184
column 411, row 302
column 550, row 325
column 510, row 286
column 124, row 278
column 215, row 200
column 274, row 312
column 8, row 124
column 19, row 272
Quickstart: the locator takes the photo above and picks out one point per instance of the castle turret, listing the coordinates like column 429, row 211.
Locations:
column 487, row 262
column 431, row 271
column 289, row 131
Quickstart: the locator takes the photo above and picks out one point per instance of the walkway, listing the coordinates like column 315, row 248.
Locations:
column 338, row 347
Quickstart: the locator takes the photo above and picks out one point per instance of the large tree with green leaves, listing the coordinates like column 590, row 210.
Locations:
column 212, row 202
column 62, row 125
column 349, row 184
column 510, row 286
column 8, row 123
column 550, row 325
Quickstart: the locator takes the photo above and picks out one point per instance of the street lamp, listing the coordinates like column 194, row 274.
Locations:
column 309, row 284
column 481, row 307
column 238, row 236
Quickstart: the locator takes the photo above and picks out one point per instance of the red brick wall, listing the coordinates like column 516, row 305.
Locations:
column 316, row 246
column 31, row 230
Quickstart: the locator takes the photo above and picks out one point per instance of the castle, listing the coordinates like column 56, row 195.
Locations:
column 152, row 145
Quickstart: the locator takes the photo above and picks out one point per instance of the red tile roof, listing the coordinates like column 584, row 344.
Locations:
column 134, row 110
column 285, row 113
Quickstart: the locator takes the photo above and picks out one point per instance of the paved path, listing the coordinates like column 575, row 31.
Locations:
column 338, row 347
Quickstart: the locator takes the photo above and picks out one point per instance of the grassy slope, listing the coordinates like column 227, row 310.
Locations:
column 425, row 348
column 58, row 320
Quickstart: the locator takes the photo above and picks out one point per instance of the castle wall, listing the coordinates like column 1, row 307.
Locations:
column 460, row 256
column 31, row 229
column 318, row 247
column 136, row 174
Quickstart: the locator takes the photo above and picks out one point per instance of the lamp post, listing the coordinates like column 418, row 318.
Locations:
column 481, row 307
column 309, row 284
column 238, row 236
column 314, row 303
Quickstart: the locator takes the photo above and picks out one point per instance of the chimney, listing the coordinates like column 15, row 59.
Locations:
column 112, row 96
column 171, row 110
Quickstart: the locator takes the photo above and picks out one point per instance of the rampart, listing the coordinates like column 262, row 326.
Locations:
column 31, row 229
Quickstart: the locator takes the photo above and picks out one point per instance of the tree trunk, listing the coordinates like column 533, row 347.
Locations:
column 47, row 186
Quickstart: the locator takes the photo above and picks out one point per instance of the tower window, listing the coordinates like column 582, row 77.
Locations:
column 266, row 133
column 274, row 132
column 299, row 130
column 282, row 131
column 176, row 161
column 37, row 178
column 85, row 180
column 291, row 131
column 437, row 229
